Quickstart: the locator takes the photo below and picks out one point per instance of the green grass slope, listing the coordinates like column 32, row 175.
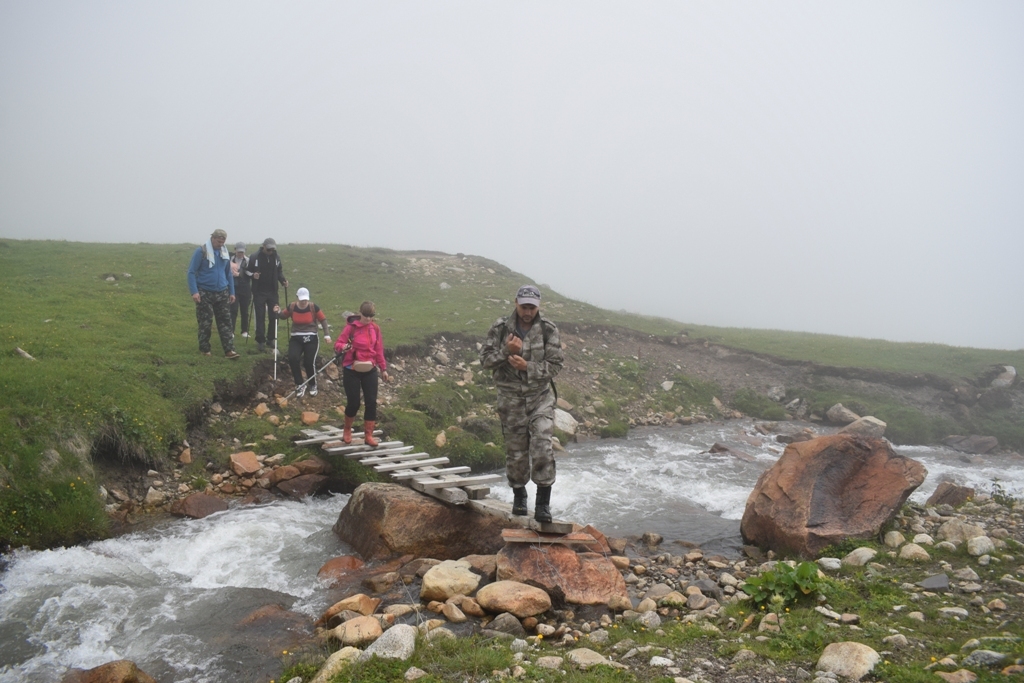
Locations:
column 117, row 367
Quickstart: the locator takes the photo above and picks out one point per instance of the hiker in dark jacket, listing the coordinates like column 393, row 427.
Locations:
column 266, row 271
column 523, row 353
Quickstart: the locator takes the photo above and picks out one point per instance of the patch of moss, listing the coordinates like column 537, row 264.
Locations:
column 753, row 404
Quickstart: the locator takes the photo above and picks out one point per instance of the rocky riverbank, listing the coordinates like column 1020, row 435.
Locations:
column 939, row 597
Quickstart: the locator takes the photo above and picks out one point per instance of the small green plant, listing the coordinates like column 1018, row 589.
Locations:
column 783, row 585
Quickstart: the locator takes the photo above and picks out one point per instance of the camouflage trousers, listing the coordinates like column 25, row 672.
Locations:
column 214, row 305
column 528, row 423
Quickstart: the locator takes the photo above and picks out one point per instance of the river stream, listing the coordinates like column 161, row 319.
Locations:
column 178, row 599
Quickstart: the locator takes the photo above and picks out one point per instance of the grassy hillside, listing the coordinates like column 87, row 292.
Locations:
column 117, row 367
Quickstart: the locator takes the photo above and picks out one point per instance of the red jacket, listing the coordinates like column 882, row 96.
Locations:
column 367, row 344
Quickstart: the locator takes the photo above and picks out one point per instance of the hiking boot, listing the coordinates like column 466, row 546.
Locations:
column 313, row 391
column 232, row 355
column 368, row 438
column 301, row 391
column 519, row 501
column 206, row 353
column 542, row 510
column 245, row 335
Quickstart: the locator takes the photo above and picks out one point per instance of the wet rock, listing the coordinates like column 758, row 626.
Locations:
column 848, row 659
column 337, row 567
column 948, row 493
column 516, row 598
column 485, row 565
column 120, row 671
column 303, row 486
column 198, row 505
column 827, row 490
column 379, row 583
column 584, row 578
column 381, row 520
column 972, row 444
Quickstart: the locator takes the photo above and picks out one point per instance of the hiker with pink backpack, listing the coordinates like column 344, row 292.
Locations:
column 363, row 348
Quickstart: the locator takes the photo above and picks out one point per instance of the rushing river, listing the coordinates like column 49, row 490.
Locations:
column 179, row 599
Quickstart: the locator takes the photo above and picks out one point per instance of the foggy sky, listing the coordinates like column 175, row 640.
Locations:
column 854, row 168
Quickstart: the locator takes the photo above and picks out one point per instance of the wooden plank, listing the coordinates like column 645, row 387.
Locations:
column 429, row 471
column 387, row 467
column 400, row 457
column 461, row 481
column 391, row 454
column 502, row 510
column 476, row 492
column 353, row 447
column 531, row 536
column 453, row 496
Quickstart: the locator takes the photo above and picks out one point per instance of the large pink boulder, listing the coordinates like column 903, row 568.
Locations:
column 381, row 520
column 120, row 671
column 583, row 578
column 823, row 491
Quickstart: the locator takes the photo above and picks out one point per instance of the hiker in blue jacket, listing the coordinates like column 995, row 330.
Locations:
column 213, row 291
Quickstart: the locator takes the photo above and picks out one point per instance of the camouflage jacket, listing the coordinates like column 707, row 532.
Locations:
column 542, row 351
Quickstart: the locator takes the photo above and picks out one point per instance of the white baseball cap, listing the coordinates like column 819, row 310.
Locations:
column 302, row 294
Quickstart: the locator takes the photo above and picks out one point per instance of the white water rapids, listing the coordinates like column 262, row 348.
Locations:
column 175, row 598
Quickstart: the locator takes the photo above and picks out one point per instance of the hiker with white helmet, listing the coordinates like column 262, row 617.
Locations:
column 305, row 341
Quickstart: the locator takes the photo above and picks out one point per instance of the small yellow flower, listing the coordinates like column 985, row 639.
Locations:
column 933, row 659
column 540, row 636
column 284, row 652
column 787, row 609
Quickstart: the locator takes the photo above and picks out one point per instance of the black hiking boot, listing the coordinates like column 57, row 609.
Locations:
column 519, row 501
column 542, row 511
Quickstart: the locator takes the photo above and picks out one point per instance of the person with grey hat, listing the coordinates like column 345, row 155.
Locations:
column 524, row 354
column 243, row 288
column 213, row 291
column 266, row 271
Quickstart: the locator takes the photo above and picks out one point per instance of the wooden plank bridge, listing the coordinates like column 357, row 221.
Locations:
column 426, row 474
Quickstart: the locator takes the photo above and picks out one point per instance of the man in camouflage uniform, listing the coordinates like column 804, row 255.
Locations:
column 524, row 354
column 213, row 291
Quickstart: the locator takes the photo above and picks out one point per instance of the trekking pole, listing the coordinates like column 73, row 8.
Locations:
column 275, row 347
column 318, row 371
column 248, row 318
